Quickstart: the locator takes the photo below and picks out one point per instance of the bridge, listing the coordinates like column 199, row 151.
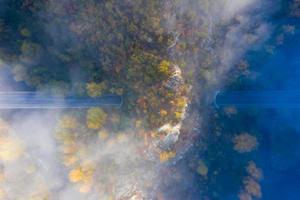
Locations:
column 37, row 100
column 259, row 99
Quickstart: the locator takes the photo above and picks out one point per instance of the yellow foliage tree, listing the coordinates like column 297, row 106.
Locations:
column 76, row 175
column 103, row 134
column 95, row 89
column 68, row 122
column 164, row 67
column 96, row 118
column 178, row 115
column 166, row 155
column 181, row 103
column 10, row 149
column 163, row 113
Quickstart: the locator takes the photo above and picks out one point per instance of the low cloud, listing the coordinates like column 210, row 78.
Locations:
column 231, row 27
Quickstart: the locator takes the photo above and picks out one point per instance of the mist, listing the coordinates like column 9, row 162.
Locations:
column 52, row 157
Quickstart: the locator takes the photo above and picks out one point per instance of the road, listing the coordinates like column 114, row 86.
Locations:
column 35, row 100
column 259, row 99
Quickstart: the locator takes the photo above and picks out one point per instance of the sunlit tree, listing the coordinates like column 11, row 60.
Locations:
column 166, row 155
column 95, row 89
column 164, row 67
column 96, row 118
column 68, row 122
column 11, row 149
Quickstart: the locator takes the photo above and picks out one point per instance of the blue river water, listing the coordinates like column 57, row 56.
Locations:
column 276, row 68
column 279, row 129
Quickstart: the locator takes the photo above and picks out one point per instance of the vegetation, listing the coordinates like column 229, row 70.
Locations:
column 254, row 171
column 68, row 122
column 125, row 54
column 96, row 118
column 95, row 89
column 252, row 187
column 202, row 169
column 140, row 49
column 10, row 149
column 166, row 155
column 93, row 48
column 14, row 156
column 244, row 143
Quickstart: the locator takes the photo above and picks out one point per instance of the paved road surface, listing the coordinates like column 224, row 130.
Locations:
column 260, row 99
column 35, row 100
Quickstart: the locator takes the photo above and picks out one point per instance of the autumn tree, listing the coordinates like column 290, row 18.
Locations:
column 95, row 89
column 96, row 118
column 164, row 67
column 244, row 143
column 166, row 155
column 10, row 149
column 68, row 122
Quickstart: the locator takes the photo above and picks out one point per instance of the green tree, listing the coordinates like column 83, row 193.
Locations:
column 30, row 50
column 25, row 32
